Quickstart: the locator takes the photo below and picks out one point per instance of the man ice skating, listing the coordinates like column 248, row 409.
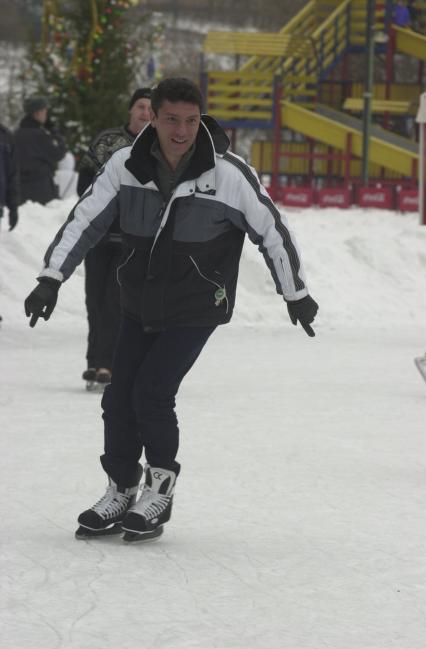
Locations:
column 185, row 204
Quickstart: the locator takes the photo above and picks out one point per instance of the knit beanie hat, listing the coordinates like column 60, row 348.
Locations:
column 140, row 93
column 34, row 103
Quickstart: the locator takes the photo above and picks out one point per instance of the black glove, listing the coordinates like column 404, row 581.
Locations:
column 304, row 311
column 13, row 218
column 41, row 302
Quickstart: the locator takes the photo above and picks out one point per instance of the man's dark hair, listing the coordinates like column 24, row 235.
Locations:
column 176, row 89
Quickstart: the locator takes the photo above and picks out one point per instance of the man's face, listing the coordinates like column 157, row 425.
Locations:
column 177, row 126
column 139, row 115
column 41, row 115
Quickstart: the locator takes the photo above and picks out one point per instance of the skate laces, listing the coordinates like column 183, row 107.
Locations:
column 151, row 503
column 112, row 503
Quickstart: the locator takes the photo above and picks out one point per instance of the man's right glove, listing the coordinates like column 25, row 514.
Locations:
column 304, row 311
column 13, row 218
column 42, row 300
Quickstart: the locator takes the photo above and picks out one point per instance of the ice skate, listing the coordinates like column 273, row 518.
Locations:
column 144, row 521
column 85, row 533
column 103, row 376
column 106, row 515
column 420, row 362
column 89, row 376
column 97, row 380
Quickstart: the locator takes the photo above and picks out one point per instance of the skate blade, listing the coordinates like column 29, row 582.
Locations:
column 420, row 363
column 85, row 533
column 142, row 537
column 93, row 386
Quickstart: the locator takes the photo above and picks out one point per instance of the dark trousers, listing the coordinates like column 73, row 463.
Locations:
column 102, row 303
column 139, row 404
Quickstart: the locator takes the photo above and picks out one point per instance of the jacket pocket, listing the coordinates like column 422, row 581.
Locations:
column 216, row 281
column 123, row 264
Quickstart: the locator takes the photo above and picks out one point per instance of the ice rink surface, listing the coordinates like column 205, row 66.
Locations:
column 299, row 514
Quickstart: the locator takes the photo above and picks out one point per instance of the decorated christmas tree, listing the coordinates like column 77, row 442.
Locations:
column 88, row 62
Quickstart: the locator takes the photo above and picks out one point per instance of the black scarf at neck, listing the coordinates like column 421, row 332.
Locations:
column 29, row 122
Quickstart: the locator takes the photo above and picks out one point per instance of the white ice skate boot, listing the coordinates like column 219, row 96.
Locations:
column 145, row 519
column 106, row 515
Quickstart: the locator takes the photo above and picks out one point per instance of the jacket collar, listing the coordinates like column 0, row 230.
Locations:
column 29, row 122
column 211, row 140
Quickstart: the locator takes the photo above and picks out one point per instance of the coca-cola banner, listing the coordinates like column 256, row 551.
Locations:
column 334, row 197
column 297, row 196
column 375, row 197
column 408, row 200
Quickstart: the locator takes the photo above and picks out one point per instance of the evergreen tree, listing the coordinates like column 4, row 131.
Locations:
column 86, row 62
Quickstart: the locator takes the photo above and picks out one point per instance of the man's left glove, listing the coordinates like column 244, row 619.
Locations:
column 42, row 300
column 304, row 311
column 13, row 218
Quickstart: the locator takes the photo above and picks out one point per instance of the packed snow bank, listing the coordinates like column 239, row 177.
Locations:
column 363, row 267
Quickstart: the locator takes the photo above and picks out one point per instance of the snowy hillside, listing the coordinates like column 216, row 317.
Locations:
column 363, row 267
column 299, row 514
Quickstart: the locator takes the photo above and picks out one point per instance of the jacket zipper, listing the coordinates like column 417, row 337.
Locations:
column 159, row 215
column 132, row 252
column 220, row 294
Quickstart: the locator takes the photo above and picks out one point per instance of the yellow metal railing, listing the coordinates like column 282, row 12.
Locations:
column 245, row 93
column 359, row 19
column 262, row 157
column 299, row 57
column 409, row 42
column 396, row 157
column 270, row 44
column 296, row 56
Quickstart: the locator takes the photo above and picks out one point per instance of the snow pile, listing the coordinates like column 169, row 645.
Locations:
column 363, row 267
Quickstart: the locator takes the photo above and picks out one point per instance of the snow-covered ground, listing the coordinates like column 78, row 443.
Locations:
column 299, row 517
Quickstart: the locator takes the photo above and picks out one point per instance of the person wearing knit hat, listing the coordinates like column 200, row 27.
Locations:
column 140, row 93
column 101, row 262
column 39, row 148
column 34, row 104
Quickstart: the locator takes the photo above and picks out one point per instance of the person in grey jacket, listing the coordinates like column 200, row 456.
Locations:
column 100, row 263
column 185, row 204
column 39, row 147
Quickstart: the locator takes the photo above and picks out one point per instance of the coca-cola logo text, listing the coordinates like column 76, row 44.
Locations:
column 300, row 198
column 333, row 199
column 378, row 197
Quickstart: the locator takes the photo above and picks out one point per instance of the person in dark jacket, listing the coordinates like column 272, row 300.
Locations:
column 185, row 204
column 39, row 147
column 9, row 176
column 101, row 262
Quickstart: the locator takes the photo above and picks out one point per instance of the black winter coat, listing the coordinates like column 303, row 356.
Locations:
column 9, row 179
column 39, row 150
column 181, row 256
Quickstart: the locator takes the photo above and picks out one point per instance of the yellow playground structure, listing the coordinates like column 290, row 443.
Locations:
column 297, row 88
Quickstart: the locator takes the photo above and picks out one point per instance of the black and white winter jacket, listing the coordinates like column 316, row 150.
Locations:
column 180, row 258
